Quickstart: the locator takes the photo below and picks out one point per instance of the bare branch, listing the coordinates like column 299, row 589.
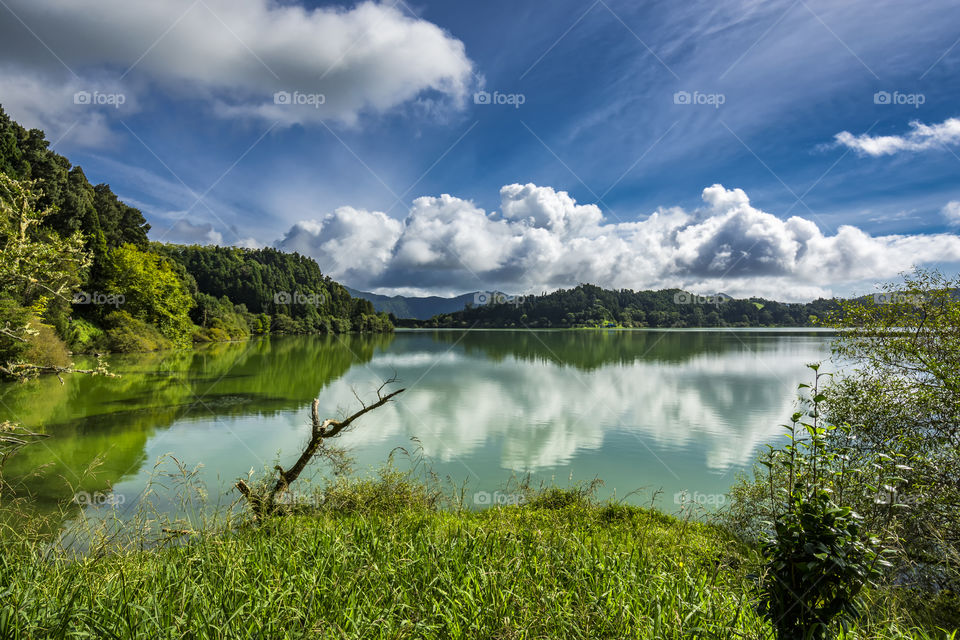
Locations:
column 320, row 430
column 10, row 334
column 26, row 370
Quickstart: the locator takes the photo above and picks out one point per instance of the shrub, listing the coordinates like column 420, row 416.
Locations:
column 13, row 319
column 283, row 323
column 44, row 348
column 210, row 334
column 84, row 336
column 817, row 556
column 126, row 333
column 903, row 395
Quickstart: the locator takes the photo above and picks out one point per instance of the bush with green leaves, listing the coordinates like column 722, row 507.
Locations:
column 128, row 334
column 818, row 555
column 83, row 336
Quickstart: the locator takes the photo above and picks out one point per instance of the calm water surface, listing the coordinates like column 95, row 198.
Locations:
column 674, row 410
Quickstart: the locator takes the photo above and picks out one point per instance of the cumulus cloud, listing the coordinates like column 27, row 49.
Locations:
column 951, row 211
column 921, row 137
column 542, row 239
column 349, row 242
column 233, row 54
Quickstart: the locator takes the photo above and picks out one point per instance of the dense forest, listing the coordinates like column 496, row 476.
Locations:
column 287, row 288
column 591, row 306
column 77, row 273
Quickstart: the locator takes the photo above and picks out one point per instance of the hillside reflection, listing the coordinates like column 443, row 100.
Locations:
column 642, row 407
column 107, row 423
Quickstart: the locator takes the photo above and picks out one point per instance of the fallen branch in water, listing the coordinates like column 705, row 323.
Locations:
column 266, row 504
column 24, row 370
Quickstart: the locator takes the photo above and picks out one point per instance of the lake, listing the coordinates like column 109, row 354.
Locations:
column 649, row 410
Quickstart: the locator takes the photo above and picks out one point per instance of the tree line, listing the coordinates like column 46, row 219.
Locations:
column 588, row 305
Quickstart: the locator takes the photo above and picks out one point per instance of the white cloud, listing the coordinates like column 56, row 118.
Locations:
column 543, row 240
column 349, row 242
column 233, row 54
column 920, row 138
column 951, row 211
column 547, row 209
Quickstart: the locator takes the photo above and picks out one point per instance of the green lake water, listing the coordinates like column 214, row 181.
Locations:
column 647, row 410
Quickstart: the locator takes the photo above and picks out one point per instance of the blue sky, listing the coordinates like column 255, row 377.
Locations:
column 830, row 126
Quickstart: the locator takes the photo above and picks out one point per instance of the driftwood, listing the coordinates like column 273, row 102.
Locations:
column 265, row 503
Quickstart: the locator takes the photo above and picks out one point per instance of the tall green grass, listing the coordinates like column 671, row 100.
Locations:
column 381, row 558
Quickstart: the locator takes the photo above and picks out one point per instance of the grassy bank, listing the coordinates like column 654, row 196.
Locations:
column 380, row 559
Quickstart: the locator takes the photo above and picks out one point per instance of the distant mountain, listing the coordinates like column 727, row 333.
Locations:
column 414, row 307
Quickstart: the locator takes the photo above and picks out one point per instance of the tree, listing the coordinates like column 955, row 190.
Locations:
column 903, row 395
column 154, row 290
column 36, row 264
column 39, row 271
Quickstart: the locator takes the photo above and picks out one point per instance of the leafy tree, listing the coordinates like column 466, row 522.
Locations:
column 903, row 395
column 154, row 290
column 39, row 271
column 74, row 203
column 273, row 283
column 36, row 264
column 60, row 235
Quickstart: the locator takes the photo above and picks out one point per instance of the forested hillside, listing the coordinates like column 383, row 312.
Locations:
column 590, row 306
column 77, row 273
column 287, row 287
